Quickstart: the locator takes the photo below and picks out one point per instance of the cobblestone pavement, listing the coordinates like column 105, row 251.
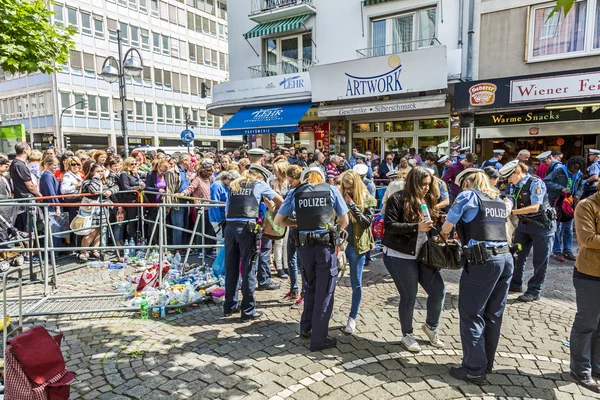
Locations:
column 200, row 355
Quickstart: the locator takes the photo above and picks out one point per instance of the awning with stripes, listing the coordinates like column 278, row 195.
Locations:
column 279, row 26
column 369, row 2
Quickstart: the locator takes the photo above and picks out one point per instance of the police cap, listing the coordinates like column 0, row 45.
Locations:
column 263, row 171
column 392, row 174
column 443, row 159
column 469, row 171
column 307, row 171
column 256, row 152
column 360, row 155
column 544, row 155
column 499, row 151
column 466, row 148
column 509, row 168
column 594, row 151
column 361, row 169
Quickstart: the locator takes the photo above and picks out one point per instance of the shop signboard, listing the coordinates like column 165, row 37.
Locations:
column 550, row 88
column 537, row 117
column 410, row 72
column 279, row 85
column 417, row 103
column 321, row 133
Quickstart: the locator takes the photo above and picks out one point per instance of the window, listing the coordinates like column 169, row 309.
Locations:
column 72, row 17
column 129, row 105
column 169, row 114
column 222, row 62
column 193, row 85
column 223, row 10
column 174, row 48
column 92, row 106
column 167, row 79
column 155, row 42
column 99, row 63
column 41, row 105
column 135, row 36
column 172, row 14
column 75, row 62
column 192, row 51
column 222, row 32
column 158, row 77
column 213, row 28
column 206, row 56
column 145, row 39
column 122, row 3
column 143, row 7
column 99, row 26
column 112, row 29
column 124, row 31
column 190, row 20
column 198, row 23
column 200, row 54
column 154, row 8
column 185, row 86
column 183, row 50
column 560, row 34
column 139, row 111
column 288, row 55
column 214, row 57
column 147, row 76
column 86, row 23
column 177, row 115
column 165, row 45
column 205, row 25
column 133, row 4
column 65, row 101
column 160, row 114
column 59, row 18
column 164, row 11
column 104, row 112
column 149, row 117
column 195, row 115
column 117, row 109
column 191, row 2
column 176, row 82
column 79, row 110
column 404, row 32
column 88, row 64
column 181, row 17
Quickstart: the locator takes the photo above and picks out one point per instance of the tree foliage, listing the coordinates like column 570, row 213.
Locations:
column 28, row 41
column 564, row 5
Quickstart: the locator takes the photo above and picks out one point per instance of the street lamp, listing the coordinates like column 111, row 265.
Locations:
column 114, row 70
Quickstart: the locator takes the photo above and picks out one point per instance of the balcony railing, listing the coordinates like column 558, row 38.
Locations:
column 259, row 6
column 397, row 48
column 280, row 68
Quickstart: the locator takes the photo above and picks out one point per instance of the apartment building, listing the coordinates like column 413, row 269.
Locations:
column 183, row 45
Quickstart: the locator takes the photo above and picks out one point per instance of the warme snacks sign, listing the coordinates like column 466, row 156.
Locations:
column 409, row 72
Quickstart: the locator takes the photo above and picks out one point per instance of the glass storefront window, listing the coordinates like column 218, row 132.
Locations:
column 399, row 126
column 399, row 145
column 366, row 127
column 434, row 144
column 434, row 123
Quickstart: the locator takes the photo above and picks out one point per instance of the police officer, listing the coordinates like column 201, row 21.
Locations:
column 316, row 203
column 593, row 170
column 494, row 161
column 446, row 162
column 241, row 236
column 536, row 226
column 480, row 217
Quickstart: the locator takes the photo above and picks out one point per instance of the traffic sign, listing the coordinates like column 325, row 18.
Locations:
column 187, row 136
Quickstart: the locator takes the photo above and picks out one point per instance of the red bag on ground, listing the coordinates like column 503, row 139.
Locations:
column 150, row 277
column 35, row 368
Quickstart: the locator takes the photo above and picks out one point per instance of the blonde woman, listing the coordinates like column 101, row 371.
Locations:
column 242, row 163
column 360, row 238
column 279, row 184
column 480, row 216
column 35, row 164
column 241, row 211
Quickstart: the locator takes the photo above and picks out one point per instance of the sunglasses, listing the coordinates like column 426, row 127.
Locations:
column 75, row 165
column 133, row 163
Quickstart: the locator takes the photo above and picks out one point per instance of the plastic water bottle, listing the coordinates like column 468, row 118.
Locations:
column 162, row 303
column 425, row 212
column 144, row 308
column 131, row 242
column 177, row 259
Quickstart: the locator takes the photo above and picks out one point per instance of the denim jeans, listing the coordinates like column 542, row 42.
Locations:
column 407, row 275
column 264, row 262
column 294, row 264
column 357, row 263
column 178, row 218
column 585, row 333
column 563, row 238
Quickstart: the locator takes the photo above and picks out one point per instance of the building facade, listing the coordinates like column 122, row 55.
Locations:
column 378, row 75
column 183, row 45
column 537, row 80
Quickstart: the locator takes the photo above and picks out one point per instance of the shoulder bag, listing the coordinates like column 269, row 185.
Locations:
column 440, row 253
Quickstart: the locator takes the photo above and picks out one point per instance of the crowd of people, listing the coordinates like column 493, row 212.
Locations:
column 299, row 216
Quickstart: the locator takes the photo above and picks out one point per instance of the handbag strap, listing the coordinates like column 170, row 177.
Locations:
column 439, row 234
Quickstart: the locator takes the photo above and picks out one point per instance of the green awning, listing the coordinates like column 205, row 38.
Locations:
column 370, row 2
column 279, row 26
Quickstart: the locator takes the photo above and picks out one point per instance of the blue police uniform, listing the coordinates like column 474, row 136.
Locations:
column 535, row 231
column 264, row 258
column 492, row 162
column 314, row 206
column 590, row 188
column 484, row 286
column 242, row 212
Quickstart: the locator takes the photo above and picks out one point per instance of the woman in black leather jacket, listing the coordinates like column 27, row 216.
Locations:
column 406, row 230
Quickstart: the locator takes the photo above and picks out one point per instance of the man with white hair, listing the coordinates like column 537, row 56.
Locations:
column 332, row 168
column 320, row 162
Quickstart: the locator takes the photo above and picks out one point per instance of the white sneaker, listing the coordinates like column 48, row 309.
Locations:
column 410, row 343
column 434, row 336
column 350, row 326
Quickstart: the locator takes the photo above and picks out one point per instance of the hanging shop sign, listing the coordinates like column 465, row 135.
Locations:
column 279, row 85
column 413, row 71
column 516, row 91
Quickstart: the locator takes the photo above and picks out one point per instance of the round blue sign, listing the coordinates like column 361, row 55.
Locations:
column 187, row 136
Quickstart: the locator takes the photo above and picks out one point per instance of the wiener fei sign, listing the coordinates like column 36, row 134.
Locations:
column 414, row 71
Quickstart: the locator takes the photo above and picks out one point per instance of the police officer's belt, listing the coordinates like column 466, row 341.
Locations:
column 307, row 239
column 241, row 224
column 498, row 250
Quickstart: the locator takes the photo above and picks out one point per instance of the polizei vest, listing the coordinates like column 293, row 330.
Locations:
column 242, row 203
column 489, row 224
column 314, row 210
column 524, row 198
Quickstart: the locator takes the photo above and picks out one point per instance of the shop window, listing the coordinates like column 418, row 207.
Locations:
column 288, row 55
column 562, row 35
column 399, row 145
column 434, row 144
column 366, row 127
column 399, row 126
column 434, row 123
column 404, row 32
